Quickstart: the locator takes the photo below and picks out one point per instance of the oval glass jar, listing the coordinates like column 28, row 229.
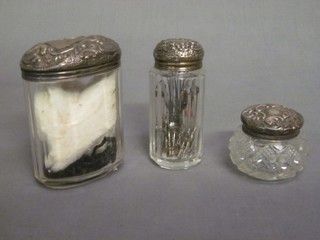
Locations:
column 176, row 104
column 73, row 93
column 268, row 145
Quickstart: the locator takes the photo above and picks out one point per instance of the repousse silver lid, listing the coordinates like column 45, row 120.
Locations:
column 68, row 58
column 178, row 54
column 271, row 121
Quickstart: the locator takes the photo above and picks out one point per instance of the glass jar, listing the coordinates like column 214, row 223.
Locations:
column 73, row 94
column 176, row 104
column 268, row 145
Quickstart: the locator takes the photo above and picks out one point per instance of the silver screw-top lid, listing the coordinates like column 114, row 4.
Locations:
column 178, row 54
column 271, row 121
column 68, row 58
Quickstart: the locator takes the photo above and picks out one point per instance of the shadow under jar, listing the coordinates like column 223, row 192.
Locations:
column 73, row 89
column 176, row 104
column 269, row 146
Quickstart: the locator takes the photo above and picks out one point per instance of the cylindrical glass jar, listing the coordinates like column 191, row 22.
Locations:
column 268, row 145
column 176, row 104
column 73, row 94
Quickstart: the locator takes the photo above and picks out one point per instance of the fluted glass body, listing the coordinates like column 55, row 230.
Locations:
column 76, row 128
column 268, row 159
column 176, row 110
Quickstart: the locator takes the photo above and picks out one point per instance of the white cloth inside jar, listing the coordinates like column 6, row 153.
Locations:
column 73, row 117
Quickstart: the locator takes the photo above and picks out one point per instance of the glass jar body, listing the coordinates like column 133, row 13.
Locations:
column 268, row 159
column 76, row 128
column 176, row 116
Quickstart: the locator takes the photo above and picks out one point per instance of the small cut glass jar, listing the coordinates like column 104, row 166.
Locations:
column 176, row 104
column 72, row 89
column 268, row 145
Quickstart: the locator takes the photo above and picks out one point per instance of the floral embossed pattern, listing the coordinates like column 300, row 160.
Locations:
column 178, row 50
column 272, row 119
column 70, row 54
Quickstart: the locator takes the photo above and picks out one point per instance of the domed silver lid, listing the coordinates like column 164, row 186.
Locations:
column 271, row 121
column 178, row 54
column 67, row 58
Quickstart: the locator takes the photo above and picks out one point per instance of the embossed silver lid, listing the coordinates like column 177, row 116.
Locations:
column 178, row 54
column 271, row 121
column 68, row 58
